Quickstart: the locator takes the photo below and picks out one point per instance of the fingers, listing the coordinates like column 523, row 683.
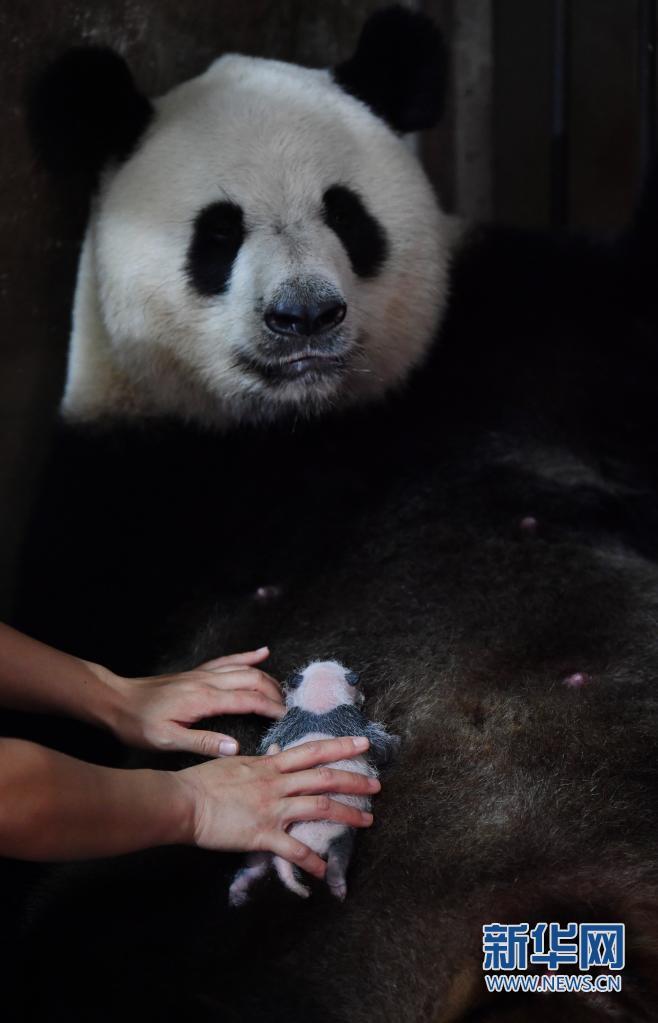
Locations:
column 322, row 808
column 282, row 844
column 248, row 678
column 250, row 657
column 204, row 744
column 236, row 670
column 327, row 779
column 324, row 751
column 244, row 701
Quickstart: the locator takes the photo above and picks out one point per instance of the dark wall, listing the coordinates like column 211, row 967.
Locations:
column 603, row 115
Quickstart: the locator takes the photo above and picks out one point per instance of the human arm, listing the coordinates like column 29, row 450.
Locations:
column 53, row 807
column 147, row 712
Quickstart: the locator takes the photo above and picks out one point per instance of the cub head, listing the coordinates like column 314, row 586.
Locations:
column 261, row 241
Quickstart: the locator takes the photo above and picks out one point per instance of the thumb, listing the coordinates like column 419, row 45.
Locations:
column 205, row 744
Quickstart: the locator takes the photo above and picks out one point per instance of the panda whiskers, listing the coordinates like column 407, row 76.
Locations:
column 360, row 363
column 267, row 383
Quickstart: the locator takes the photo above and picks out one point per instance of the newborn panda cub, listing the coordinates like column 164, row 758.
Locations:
column 322, row 703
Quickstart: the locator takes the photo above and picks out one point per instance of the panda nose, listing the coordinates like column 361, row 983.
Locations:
column 306, row 318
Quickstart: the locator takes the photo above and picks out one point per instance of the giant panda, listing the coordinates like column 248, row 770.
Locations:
column 264, row 256
column 304, row 406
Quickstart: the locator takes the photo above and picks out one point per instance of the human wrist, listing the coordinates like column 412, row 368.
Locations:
column 183, row 799
column 103, row 697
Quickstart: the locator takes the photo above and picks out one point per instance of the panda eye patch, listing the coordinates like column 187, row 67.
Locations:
column 363, row 237
column 216, row 239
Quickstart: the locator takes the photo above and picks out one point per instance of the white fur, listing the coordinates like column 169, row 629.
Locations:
column 318, row 835
column 271, row 137
column 322, row 687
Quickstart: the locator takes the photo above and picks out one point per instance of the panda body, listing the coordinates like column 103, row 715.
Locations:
column 264, row 255
column 322, row 702
column 218, row 435
column 471, row 537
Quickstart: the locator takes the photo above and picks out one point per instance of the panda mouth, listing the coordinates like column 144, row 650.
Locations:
column 301, row 365
column 307, row 365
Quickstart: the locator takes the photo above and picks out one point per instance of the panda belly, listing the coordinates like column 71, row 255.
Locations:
column 329, row 839
column 319, row 834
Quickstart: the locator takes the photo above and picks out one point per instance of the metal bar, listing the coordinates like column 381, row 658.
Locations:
column 646, row 35
column 560, row 89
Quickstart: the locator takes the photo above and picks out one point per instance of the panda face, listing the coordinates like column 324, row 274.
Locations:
column 271, row 246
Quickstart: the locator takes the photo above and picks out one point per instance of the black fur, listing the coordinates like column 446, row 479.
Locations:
column 345, row 719
column 218, row 234
column 362, row 236
column 516, row 796
column 399, row 69
column 85, row 110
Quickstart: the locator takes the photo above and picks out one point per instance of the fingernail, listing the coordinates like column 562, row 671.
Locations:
column 262, row 650
column 374, row 784
column 360, row 742
column 228, row 748
column 367, row 818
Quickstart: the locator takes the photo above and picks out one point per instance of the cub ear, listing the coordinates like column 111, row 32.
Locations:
column 399, row 69
column 84, row 110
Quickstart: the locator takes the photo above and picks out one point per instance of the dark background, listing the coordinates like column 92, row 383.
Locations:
column 492, row 156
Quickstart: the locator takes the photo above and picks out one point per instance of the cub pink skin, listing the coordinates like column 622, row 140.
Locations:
column 322, row 686
column 323, row 702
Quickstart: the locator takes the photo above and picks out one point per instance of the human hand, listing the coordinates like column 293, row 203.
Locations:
column 247, row 803
column 156, row 713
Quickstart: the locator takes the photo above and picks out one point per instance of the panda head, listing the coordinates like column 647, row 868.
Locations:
column 261, row 239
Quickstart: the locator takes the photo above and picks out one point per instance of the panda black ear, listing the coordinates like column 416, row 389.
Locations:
column 399, row 69
column 84, row 110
